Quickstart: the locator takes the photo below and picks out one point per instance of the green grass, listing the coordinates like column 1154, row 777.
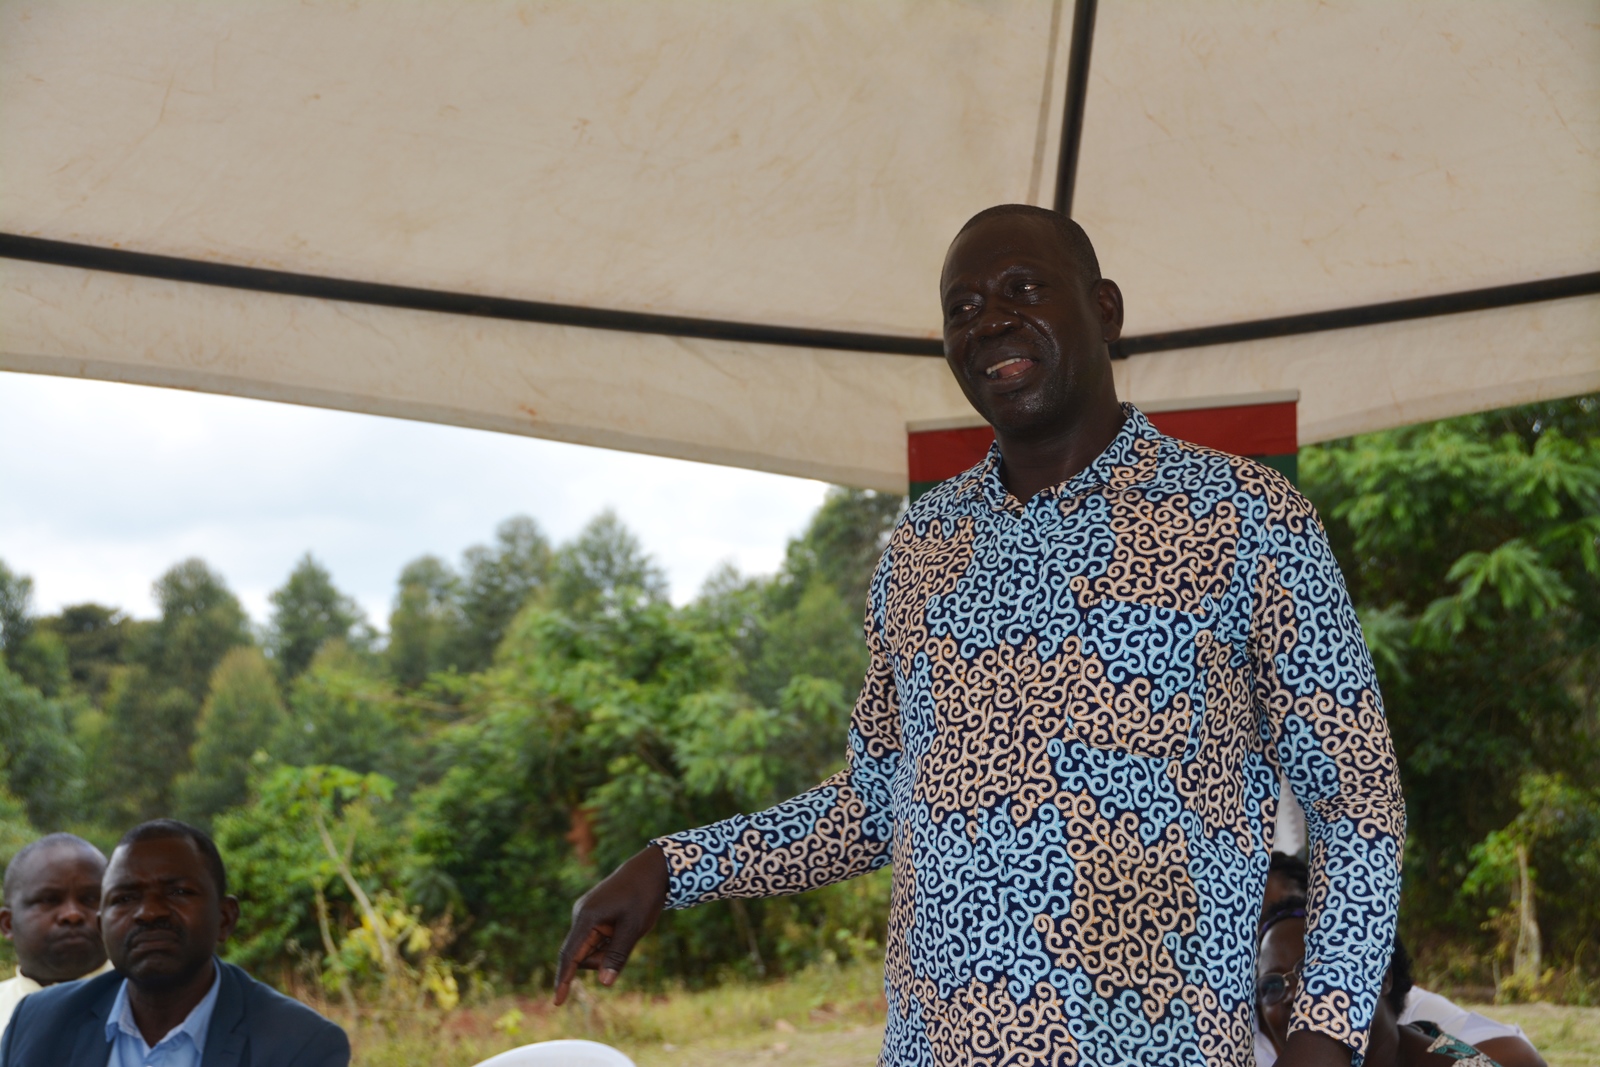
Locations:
column 824, row 1017
column 1566, row 1037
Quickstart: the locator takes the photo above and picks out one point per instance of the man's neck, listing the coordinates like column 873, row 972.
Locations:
column 156, row 1013
column 44, row 982
column 1033, row 464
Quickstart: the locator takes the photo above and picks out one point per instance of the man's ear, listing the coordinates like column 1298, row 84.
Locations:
column 229, row 906
column 1108, row 298
column 5, row 923
column 1388, row 983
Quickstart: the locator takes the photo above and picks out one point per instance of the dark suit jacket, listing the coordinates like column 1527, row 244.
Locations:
column 251, row 1026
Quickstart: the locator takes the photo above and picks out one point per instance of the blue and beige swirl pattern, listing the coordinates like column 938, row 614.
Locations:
column 1068, row 745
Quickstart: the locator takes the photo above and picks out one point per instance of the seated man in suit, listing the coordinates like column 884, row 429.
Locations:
column 51, row 916
column 164, row 910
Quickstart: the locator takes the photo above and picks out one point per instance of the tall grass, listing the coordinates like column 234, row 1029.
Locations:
column 645, row 1025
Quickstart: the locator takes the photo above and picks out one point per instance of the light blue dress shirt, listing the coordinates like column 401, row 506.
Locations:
column 183, row 1045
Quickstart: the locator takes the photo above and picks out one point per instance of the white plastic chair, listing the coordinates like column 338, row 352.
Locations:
column 560, row 1054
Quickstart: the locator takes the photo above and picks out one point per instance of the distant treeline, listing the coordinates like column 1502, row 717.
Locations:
column 424, row 804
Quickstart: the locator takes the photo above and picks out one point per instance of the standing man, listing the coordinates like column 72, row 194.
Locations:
column 52, row 916
column 165, row 909
column 1091, row 655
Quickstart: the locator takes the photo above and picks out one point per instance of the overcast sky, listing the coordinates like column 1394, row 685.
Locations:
column 104, row 486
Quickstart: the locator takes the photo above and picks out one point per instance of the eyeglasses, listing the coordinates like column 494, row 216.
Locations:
column 1274, row 988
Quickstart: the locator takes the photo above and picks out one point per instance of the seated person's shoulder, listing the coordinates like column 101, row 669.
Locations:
column 285, row 1021
column 67, row 997
column 42, row 1019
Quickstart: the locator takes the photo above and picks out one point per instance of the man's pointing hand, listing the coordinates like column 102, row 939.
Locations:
column 609, row 919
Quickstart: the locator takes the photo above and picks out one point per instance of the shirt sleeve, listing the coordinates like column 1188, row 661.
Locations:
column 1323, row 718
column 837, row 830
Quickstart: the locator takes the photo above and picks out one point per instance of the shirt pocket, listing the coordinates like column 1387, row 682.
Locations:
column 1137, row 687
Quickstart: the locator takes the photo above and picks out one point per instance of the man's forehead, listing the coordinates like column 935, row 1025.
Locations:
column 1000, row 240
column 156, row 859
column 58, row 862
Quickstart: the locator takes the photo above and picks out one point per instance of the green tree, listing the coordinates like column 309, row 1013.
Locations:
column 16, row 610
column 241, row 715
column 307, row 612
column 604, row 570
column 1558, row 830
column 34, row 653
column 498, row 580
column 426, row 625
column 140, row 746
column 806, row 620
column 571, row 706
column 200, row 621
column 613, row 722
column 841, row 545
column 342, row 712
column 278, row 861
column 43, row 767
column 98, row 640
column 144, row 740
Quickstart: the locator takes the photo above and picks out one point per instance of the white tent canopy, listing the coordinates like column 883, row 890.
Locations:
column 448, row 210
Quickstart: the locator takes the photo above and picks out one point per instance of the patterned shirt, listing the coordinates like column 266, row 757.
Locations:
column 1068, row 744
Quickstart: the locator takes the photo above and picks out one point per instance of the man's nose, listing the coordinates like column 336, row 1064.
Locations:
column 997, row 319
column 75, row 913
column 152, row 906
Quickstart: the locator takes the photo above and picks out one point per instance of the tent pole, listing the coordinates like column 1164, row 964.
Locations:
column 1077, row 95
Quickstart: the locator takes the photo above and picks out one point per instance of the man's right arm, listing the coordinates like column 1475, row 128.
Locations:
column 837, row 830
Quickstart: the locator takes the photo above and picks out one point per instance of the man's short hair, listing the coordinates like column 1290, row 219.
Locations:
column 27, row 851
column 162, row 829
column 1076, row 242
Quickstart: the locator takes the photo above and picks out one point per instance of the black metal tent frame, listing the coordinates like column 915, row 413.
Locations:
column 286, row 283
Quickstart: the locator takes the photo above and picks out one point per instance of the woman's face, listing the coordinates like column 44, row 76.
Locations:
column 1277, row 978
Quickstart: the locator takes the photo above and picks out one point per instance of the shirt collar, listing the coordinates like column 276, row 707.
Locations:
column 28, row 985
column 1129, row 459
column 195, row 1025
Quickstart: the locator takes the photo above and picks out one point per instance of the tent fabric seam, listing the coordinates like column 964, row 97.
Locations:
column 288, row 283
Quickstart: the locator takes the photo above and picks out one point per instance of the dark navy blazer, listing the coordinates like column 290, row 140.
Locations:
column 252, row 1026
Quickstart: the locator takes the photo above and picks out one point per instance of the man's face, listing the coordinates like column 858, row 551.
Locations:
column 161, row 914
column 1024, row 329
column 1282, row 949
column 53, row 917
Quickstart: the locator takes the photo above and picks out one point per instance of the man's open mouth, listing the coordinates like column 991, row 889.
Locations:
column 1009, row 368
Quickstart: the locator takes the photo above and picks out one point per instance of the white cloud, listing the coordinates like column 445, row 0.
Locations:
column 103, row 486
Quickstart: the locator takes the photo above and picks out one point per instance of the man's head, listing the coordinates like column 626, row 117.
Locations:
column 165, row 907
column 52, row 908
column 1027, row 320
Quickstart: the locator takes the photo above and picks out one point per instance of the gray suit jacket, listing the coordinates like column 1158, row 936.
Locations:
column 251, row 1026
